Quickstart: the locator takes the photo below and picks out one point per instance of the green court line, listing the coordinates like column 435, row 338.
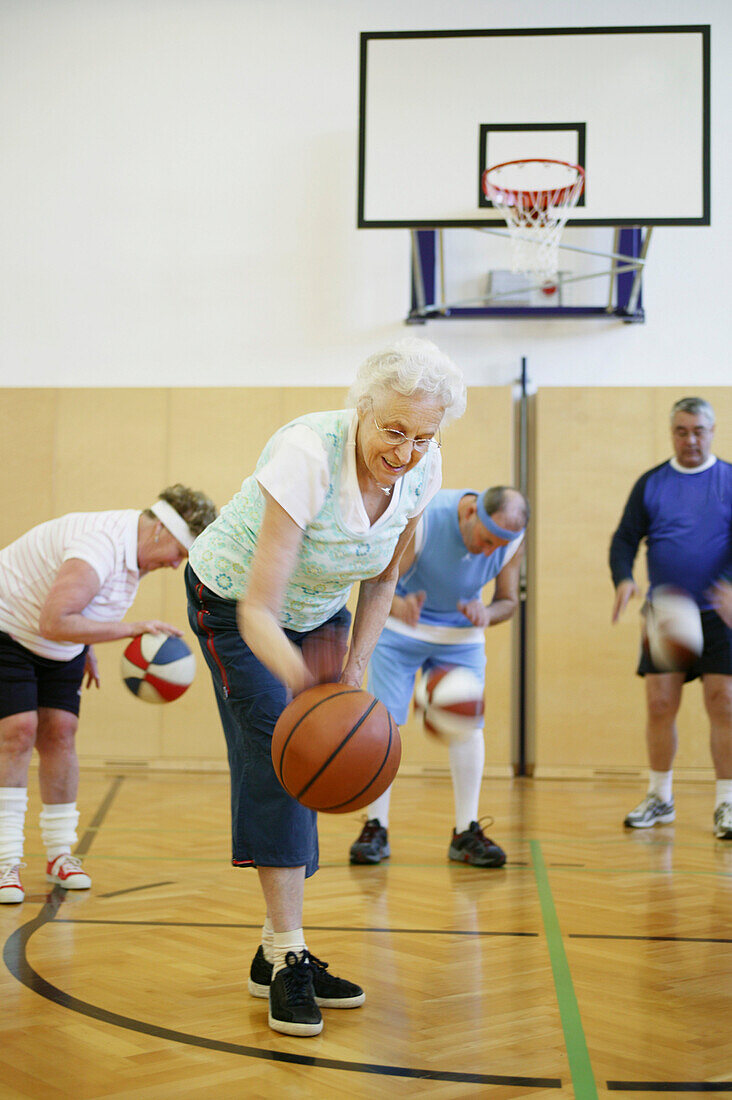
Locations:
column 580, row 1067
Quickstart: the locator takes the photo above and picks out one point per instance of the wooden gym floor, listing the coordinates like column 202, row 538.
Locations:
column 596, row 962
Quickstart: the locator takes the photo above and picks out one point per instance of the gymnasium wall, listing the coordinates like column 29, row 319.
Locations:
column 86, row 450
column 587, row 712
column 178, row 198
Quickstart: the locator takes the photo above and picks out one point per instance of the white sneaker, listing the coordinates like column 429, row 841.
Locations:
column 66, row 871
column 651, row 811
column 11, row 888
column 723, row 821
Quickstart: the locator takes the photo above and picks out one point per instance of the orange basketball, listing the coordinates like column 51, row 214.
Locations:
column 335, row 748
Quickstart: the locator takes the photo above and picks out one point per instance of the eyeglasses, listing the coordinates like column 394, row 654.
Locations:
column 395, row 438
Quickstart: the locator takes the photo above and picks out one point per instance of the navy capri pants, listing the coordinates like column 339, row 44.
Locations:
column 268, row 827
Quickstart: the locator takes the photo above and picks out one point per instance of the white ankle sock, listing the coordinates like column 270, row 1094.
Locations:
column 466, row 768
column 660, row 783
column 58, row 828
column 723, row 792
column 13, row 805
column 268, row 940
column 282, row 942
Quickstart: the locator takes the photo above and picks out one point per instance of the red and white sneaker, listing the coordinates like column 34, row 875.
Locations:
column 66, row 871
column 11, row 888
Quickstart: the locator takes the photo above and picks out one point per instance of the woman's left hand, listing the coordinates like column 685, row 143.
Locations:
column 91, row 668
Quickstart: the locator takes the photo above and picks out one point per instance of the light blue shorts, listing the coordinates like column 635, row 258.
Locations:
column 397, row 659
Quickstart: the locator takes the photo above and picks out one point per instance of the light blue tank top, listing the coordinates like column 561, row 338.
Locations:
column 332, row 557
column 444, row 568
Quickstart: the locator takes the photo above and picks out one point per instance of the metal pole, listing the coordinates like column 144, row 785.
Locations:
column 523, row 473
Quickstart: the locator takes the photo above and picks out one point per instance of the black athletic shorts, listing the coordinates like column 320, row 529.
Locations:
column 716, row 655
column 28, row 681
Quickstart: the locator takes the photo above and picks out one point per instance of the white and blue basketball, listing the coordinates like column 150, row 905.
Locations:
column 158, row 668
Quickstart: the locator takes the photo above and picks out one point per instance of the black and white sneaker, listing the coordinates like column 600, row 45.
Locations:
column 330, row 992
column 292, row 1007
column 723, row 821
column 651, row 811
column 372, row 844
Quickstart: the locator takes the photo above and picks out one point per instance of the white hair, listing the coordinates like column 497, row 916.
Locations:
column 411, row 366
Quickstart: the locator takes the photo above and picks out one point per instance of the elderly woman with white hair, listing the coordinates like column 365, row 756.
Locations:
column 66, row 585
column 333, row 500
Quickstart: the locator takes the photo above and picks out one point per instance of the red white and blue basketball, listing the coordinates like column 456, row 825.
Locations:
column 452, row 703
column 672, row 629
column 158, row 668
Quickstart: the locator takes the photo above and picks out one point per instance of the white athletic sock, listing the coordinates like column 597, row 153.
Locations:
column 13, row 804
column 58, row 828
column 268, row 940
column 466, row 768
column 282, row 942
column 380, row 808
column 723, row 792
column 659, row 783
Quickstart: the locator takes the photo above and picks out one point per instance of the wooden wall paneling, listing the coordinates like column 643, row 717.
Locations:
column 111, row 452
column 591, row 446
column 27, row 444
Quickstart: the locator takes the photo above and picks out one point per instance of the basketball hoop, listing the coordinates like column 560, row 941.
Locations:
column 535, row 196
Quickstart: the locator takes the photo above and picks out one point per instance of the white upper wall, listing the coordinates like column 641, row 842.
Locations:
column 178, row 203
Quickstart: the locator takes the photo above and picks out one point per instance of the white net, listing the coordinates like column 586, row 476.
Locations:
column 535, row 197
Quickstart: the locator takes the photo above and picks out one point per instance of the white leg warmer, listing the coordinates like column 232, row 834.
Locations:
column 58, row 828
column 13, row 804
column 466, row 767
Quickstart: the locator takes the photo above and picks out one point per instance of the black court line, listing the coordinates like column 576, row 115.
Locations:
column 311, row 927
column 14, row 955
column 91, row 831
column 15, row 958
column 649, row 939
column 670, row 1086
column 136, row 889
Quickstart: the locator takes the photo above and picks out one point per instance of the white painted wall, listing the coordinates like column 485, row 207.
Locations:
column 178, row 203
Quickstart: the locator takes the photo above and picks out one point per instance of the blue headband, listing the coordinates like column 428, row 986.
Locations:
column 493, row 527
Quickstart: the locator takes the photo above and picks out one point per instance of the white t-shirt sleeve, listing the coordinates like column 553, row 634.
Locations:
column 432, row 485
column 296, row 473
column 97, row 549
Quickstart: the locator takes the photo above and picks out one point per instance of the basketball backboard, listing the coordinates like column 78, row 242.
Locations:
column 629, row 104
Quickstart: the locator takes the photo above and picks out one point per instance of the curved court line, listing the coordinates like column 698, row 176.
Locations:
column 15, row 958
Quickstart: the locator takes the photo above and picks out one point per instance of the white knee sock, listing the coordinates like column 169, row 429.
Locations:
column 380, row 808
column 660, row 783
column 58, row 828
column 282, row 942
column 267, row 940
column 13, row 804
column 723, row 792
column 466, row 767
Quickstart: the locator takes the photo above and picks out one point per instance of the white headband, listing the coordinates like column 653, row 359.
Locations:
column 174, row 522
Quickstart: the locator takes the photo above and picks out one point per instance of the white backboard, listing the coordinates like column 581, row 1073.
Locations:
column 630, row 104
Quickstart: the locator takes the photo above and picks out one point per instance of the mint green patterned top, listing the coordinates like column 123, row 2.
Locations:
column 332, row 557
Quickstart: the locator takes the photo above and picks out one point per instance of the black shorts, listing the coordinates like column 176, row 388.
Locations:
column 716, row 656
column 28, row 681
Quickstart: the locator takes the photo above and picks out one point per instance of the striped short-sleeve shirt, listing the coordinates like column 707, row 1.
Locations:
column 28, row 567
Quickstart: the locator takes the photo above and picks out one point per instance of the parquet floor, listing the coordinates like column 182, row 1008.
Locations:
column 596, row 962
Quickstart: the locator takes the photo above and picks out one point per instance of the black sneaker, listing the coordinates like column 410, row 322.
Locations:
column 292, row 1007
column 473, row 846
column 330, row 992
column 372, row 845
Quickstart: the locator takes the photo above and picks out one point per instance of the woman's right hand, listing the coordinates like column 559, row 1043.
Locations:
column 152, row 626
